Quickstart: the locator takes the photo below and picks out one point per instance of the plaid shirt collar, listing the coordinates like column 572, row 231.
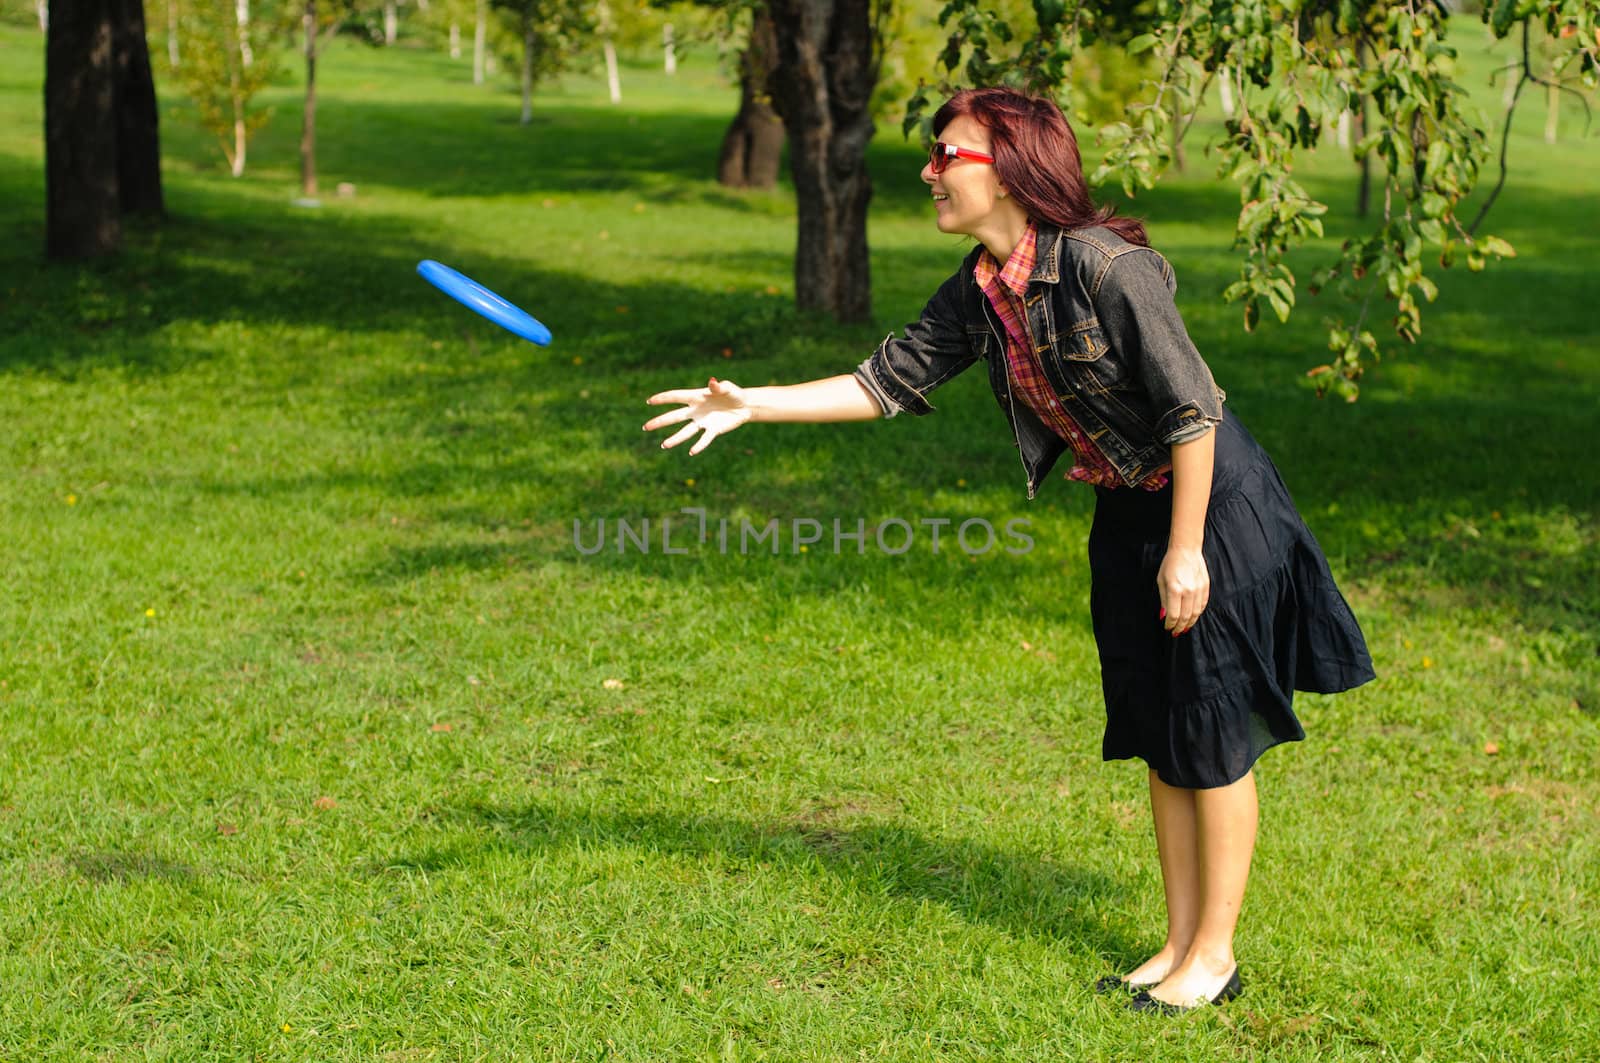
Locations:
column 1019, row 265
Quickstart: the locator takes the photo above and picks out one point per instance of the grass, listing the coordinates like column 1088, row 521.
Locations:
column 324, row 742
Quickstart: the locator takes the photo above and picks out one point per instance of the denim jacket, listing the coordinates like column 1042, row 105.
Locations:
column 1108, row 335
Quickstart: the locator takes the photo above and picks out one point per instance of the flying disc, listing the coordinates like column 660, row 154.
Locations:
column 470, row 293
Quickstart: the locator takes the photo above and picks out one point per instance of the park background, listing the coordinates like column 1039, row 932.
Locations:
column 322, row 740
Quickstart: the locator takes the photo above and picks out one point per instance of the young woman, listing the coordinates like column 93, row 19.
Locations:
column 1211, row 601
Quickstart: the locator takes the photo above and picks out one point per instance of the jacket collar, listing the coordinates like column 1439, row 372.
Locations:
column 1046, row 264
column 1047, row 249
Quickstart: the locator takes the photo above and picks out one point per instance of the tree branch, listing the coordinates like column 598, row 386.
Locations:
column 1505, row 136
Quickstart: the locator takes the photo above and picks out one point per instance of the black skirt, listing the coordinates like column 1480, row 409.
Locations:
column 1200, row 708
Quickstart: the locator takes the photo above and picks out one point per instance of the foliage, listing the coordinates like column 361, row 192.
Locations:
column 224, row 67
column 1102, row 77
column 697, row 25
column 633, row 25
column 22, row 14
column 559, row 30
column 1295, row 66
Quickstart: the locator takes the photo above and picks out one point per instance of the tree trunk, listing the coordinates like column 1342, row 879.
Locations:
column 613, row 79
column 527, row 69
column 44, row 16
column 455, row 41
column 479, row 40
column 391, row 23
column 82, row 217
column 308, row 127
column 828, row 59
column 1225, row 91
column 1552, row 113
column 670, row 46
column 138, row 118
column 172, row 34
column 241, row 134
column 241, row 14
column 752, row 148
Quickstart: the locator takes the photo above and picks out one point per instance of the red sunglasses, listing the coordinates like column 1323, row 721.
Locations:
column 942, row 153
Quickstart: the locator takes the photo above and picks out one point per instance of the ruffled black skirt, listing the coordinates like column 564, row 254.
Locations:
column 1200, row 708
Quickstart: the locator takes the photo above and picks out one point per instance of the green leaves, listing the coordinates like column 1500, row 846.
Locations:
column 1493, row 245
column 1503, row 14
column 1294, row 70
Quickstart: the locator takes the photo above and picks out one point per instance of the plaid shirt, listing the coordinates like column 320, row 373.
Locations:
column 1005, row 288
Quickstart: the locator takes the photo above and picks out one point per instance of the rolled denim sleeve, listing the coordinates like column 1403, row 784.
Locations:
column 932, row 349
column 1133, row 300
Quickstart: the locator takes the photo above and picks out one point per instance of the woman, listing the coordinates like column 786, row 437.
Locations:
column 1211, row 601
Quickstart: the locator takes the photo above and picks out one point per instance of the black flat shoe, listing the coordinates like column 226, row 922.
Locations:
column 1115, row 983
column 1147, row 1003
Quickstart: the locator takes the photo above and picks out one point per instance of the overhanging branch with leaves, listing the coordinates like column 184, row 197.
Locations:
column 1294, row 69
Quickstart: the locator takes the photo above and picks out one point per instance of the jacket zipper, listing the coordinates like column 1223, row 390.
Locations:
column 1005, row 364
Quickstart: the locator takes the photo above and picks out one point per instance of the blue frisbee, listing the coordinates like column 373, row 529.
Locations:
column 470, row 293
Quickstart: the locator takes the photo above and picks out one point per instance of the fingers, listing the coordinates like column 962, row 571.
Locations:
column 698, row 405
column 661, row 398
column 1181, row 608
column 1187, row 614
column 682, row 413
column 705, row 441
column 679, row 436
column 1205, row 600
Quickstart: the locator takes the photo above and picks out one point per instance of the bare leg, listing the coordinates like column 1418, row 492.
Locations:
column 1225, row 822
column 1174, row 813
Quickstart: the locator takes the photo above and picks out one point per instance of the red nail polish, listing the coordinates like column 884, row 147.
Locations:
column 1163, row 614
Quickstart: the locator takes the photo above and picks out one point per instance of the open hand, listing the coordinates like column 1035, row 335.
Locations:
column 714, row 410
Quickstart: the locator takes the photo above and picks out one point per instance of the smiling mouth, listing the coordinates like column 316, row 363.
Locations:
column 939, row 197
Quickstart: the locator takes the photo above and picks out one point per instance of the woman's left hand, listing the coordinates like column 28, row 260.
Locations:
column 1185, row 588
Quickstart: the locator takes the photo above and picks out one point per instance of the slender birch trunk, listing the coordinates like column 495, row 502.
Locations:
column 241, row 14
column 479, row 40
column 240, row 135
column 172, row 34
column 308, row 128
column 527, row 69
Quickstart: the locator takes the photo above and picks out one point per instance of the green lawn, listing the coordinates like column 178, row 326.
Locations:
column 323, row 741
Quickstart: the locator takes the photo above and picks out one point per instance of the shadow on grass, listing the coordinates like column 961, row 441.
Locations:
column 128, row 867
column 479, row 149
column 1026, row 896
column 1413, row 476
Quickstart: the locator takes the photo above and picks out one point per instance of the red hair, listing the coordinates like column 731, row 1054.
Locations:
column 1036, row 158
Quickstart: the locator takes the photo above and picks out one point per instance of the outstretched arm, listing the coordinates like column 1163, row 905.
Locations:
column 722, row 406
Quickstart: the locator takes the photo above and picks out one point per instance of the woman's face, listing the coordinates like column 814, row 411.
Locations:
column 967, row 194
